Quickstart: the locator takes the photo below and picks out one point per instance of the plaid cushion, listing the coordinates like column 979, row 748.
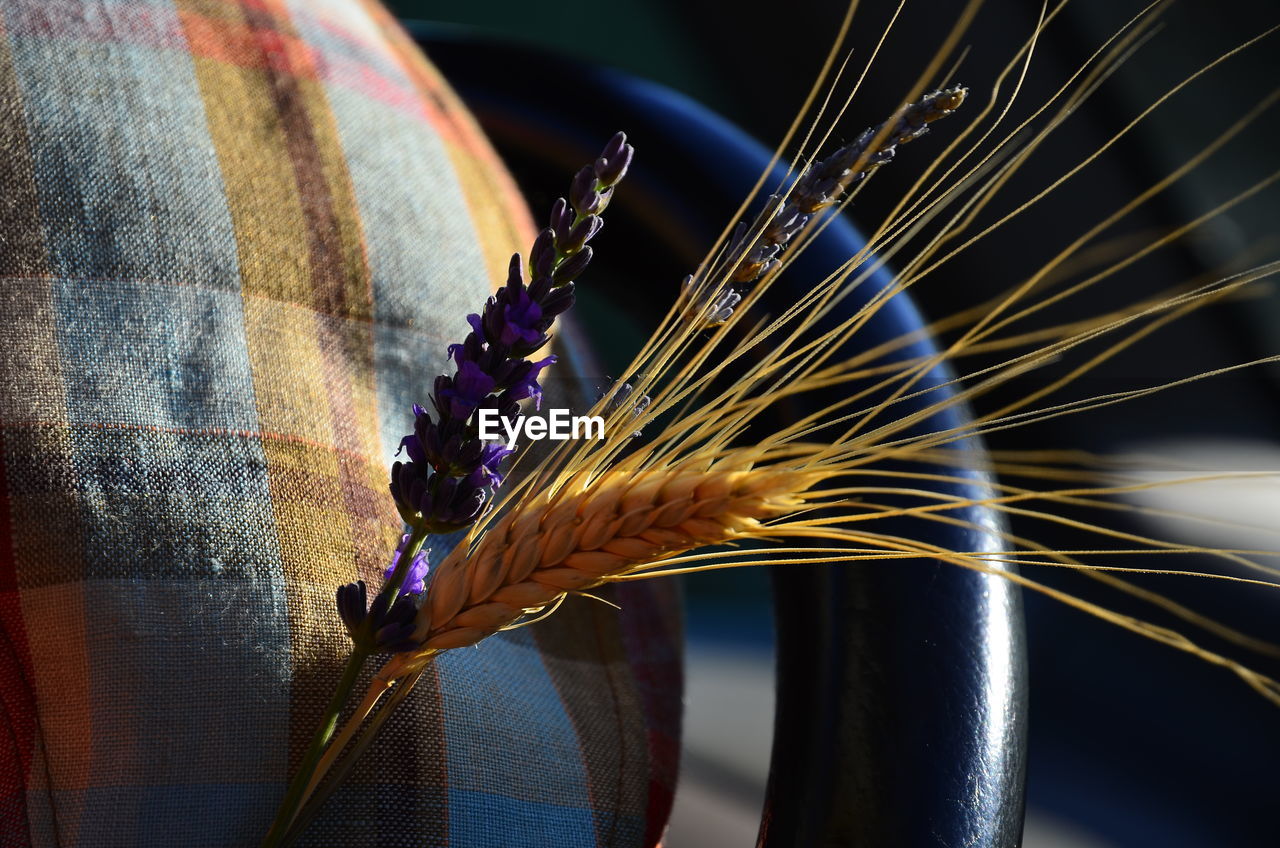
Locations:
column 237, row 237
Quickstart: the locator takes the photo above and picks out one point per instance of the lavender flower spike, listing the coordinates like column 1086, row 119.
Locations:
column 450, row 472
column 820, row 186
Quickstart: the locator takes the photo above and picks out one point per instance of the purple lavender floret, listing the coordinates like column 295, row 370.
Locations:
column 450, row 472
column 522, row 317
column 470, row 387
column 415, row 579
column 380, row 627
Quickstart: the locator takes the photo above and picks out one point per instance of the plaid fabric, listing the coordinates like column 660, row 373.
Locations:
column 237, row 237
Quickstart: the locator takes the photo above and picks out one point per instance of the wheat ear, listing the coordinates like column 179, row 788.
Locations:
column 596, row 527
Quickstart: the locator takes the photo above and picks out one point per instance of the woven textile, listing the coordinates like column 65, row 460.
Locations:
column 236, row 239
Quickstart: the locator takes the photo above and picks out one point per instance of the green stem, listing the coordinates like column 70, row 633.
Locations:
column 328, row 723
column 344, row 765
column 296, row 796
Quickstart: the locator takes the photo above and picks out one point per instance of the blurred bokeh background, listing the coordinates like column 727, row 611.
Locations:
column 1131, row 743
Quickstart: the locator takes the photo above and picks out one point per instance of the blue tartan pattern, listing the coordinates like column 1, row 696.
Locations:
column 237, row 236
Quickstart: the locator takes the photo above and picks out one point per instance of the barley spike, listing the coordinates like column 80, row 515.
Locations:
column 595, row 528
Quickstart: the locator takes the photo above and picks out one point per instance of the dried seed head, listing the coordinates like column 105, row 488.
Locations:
column 822, row 185
column 624, row 396
column 715, row 307
column 593, row 529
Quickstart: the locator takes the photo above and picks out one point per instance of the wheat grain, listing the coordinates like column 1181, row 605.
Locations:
column 592, row 529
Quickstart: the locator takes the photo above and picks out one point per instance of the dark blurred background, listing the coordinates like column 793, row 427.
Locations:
column 1132, row 744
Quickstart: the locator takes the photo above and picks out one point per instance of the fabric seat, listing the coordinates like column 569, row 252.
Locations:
column 237, row 238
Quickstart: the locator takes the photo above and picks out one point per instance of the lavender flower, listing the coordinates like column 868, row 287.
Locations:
column 415, row 578
column 450, row 471
column 623, row 396
column 719, row 308
column 387, row 624
column 384, row 626
column 820, row 186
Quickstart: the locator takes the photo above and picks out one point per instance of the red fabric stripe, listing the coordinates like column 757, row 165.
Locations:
column 653, row 643
column 257, row 47
column 223, row 40
column 24, row 254
column 17, row 743
column 147, row 26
